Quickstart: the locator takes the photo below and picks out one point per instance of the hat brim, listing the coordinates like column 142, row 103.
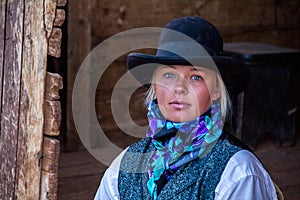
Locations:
column 234, row 72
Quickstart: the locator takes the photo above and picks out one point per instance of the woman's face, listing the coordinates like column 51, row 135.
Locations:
column 184, row 92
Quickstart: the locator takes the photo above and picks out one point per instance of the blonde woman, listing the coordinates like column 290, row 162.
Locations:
column 186, row 153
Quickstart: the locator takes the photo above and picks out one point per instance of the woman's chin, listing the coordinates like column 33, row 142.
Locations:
column 181, row 117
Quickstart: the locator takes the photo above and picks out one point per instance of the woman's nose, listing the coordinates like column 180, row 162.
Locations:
column 181, row 86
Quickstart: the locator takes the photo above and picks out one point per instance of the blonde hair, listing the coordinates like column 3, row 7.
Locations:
column 226, row 109
column 225, row 102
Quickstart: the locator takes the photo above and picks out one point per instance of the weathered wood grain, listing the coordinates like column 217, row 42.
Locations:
column 50, row 10
column 54, row 43
column 10, row 95
column 53, row 85
column 49, row 184
column 61, row 3
column 2, row 35
column 78, row 49
column 51, row 150
column 23, row 58
column 52, row 118
column 31, row 120
column 60, row 17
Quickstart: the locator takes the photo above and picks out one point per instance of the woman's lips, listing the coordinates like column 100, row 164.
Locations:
column 179, row 104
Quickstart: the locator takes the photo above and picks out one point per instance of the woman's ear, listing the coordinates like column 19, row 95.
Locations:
column 215, row 95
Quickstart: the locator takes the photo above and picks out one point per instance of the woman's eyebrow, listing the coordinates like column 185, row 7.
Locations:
column 198, row 69
column 193, row 68
column 167, row 66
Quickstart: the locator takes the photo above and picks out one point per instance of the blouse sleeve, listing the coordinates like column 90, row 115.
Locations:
column 244, row 177
column 108, row 189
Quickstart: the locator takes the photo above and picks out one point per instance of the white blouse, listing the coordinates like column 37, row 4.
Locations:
column 243, row 178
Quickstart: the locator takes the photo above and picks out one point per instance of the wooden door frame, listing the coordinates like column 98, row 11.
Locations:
column 26, row 31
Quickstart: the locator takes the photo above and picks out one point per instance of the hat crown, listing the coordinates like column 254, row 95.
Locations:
column 190, row 41
column 198, row 29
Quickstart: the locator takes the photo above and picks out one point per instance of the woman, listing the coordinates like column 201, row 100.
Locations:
column 187, row 154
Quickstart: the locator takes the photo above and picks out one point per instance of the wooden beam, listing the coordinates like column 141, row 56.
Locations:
column 61, row 3
column 50, row 10
column 59, row 17
column 54, row 44
column 49, row 186
column 54, row 84
column 31, row 122
column 51, row 149
column 2, row 34
column 11, row 63
column 52, row 118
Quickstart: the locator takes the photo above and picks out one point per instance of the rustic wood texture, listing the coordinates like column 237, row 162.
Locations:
column 51, row 150
column 80, row 175
column 10, row 96
column 54, row 46
column 23, row 58
column 53, row 85
column 52, row 118
column 49, row 181
column 30, row 138
column 78, row 49
column 61, row 3
column 52, row 105
column 49, row 186
column 24, row 67
column 59, row 17
column 50, row 12
column 2, row 35
column 235, row 19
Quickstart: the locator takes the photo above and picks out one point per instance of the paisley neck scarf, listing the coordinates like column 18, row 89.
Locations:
column 179, row 143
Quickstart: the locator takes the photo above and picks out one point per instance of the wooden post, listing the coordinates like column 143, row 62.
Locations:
column 10, row 90
column 52, row 106
column 23, row 65
column 55, row 43
column 49, row 184
column 51, row 146
column 2, row 35
column 22, row 119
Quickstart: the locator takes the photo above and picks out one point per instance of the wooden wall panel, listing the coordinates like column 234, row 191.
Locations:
column 79, row 45
column 233, row 18
column 11, row 96
column 2, row 37
column 34, row 66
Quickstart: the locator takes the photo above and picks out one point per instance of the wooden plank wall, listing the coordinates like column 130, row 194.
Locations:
column 26, row 40
column 11, row 71
column 92, row 21
column 80, row 27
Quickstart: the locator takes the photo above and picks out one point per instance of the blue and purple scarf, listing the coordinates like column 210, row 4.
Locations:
column 179, row 143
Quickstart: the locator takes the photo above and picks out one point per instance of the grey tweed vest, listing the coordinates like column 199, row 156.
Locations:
column 195, row 180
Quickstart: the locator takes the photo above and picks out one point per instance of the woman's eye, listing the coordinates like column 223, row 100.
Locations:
column 196, row 78
column 169, row 75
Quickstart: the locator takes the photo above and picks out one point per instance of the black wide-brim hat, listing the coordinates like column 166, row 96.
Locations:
column 191, row 41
